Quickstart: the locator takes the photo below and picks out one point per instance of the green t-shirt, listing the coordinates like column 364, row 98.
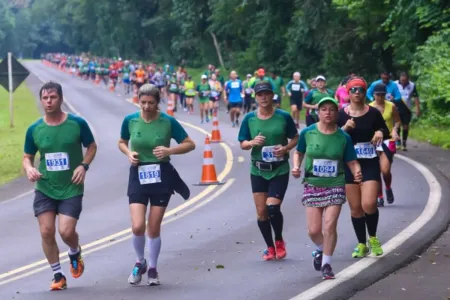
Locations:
column 144, row 137
column 278, row 83
column 173, row 86
column 61, row 153
column 202, row 88
column 277, row 130
column 257, row 80
column 326, row 155
column 314, row 96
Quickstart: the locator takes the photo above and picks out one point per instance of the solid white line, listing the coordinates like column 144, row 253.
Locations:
column 434, row 199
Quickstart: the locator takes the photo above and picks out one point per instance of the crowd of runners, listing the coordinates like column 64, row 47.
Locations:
column 346, row 150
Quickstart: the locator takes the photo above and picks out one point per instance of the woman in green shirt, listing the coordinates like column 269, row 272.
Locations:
column 152, row 177
column 327, row 149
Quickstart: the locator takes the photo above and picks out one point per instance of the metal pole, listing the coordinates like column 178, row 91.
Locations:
column 10, row 79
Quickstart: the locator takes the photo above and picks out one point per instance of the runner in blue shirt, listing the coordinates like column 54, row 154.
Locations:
column 393, row 93
column 233, row 96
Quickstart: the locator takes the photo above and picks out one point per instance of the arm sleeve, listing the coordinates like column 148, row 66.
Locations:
column 244, row 131
column 369, row 94
column 301, row 144
column 178, row 132
column 124, row 130
column 349, row 150
column 86, row 135
column 30, row 147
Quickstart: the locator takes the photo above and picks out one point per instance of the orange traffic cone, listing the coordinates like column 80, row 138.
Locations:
column 97, row 79
column 170, row 107
column 209, row 176
column 215, row 134
column 135, row 95
column 111, row 85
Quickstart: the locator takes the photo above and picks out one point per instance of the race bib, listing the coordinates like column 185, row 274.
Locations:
column 248, row 91
column 126, row 75
column 149, row 174
column 325, row 168
column 214, row 94
column 173, row 86
column 235, row 84
column 275, row 97
column 295, row 87
column 365, row 151
column 58, row 161
column 191, row 92
column 267, row 154
column 388, row 97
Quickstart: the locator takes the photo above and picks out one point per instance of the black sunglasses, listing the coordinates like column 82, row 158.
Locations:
column 361, row 90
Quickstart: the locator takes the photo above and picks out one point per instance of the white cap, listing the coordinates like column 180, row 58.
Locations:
column 249, row 75
column 320, row 77
column 204, row 76
column 297, row 74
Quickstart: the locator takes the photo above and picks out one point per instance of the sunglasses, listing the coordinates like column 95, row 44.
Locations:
column 361, row 90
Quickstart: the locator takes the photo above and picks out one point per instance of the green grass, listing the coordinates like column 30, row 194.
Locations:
column 12, row 139
column 438, row 136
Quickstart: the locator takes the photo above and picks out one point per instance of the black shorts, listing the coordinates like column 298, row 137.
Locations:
column 404, row 112
column 370, row 169
column 275, row 187
column 161, row 200
column 236, row 104
column 69, row 207
column 296, row 101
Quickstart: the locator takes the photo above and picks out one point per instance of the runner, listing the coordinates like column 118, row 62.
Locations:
column 279, row 89
column 152, row 178
column 126, row 70
column 410, row 97
column 189, row 91
column 58, row 137
column 214, row 96
column 234, row 89
column 367, row 128
column 295, row 90
column 324, row 191
column 174, row 89
column 314, row 97
column 203, row 90
column 387, row 150
column 341, row 94
column 248, row 91
column 270, row 134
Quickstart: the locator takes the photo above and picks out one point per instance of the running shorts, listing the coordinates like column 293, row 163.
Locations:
column 296, row 101
column 236, row 104
column 275, row 187
column 69, row 207
column 370, row 169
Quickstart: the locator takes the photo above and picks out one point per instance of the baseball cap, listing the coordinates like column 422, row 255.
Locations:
column 261, row 72
column 320, row 77
column 204, row 76
column 263, row 86
column 249, row 75
column 380, row 88
column 328, row 99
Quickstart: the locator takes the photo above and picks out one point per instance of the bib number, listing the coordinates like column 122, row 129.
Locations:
column 214, row 94
column 275, row 97
column 365, row 151
column 248, row 91
column 235, row 85
column 267, row 154
column 173, row 86
column 57, row 161
column 325, row 168
column 296, row 87
column 149, row 174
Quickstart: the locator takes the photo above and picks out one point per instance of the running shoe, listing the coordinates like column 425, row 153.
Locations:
column 207, row 120
column 233, row 124
column 58, row 282
column 327, row 272
column 153, row 278
column 76, row 264
column 360, row 251
column 237, row 122
column 380, row 202
column 280, row 249
column 375, row 246
column 390, row 196
column 136, row 275
column 317, row 261
column 269, row 254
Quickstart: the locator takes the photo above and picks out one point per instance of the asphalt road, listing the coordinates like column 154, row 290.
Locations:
column 218, row 228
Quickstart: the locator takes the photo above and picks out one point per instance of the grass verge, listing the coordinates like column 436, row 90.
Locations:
column 12, row 139
column 438, row 136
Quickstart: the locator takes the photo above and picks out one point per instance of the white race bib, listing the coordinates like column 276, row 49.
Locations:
column 191, row 92
column 149, row 174
column 58, row 161
column 235, row 84
column 295, row 87
column 214, row 94
column 389, row 97
column 173, row 86
column 275, row 97
column 267, row 154
column 248, row 91
column 365, row 151
column 325, row 168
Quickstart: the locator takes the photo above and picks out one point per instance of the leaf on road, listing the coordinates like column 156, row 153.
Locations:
column 220, row 267
column 239, row 243
column 403, row 289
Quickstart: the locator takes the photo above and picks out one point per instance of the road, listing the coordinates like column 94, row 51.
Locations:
column 217, row 226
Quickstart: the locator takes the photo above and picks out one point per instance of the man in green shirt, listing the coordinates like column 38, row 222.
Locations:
column 59, row 138
column 279, row 90
column 203, row 90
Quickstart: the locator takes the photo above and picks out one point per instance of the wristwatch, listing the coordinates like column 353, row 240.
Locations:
column 85, row 166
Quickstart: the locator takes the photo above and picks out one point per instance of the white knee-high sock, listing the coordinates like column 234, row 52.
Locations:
column 139, row 247
column 154, row 247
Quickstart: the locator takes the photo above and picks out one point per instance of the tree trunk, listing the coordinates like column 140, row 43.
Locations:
column 216, row 45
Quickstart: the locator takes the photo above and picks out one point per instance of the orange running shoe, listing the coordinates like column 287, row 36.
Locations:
column 281, row 249
column 58, row 283
column 269, row 254
column 76, row 264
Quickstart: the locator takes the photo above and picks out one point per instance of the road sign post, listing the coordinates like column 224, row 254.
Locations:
column 12, row 74
column 10, row 81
